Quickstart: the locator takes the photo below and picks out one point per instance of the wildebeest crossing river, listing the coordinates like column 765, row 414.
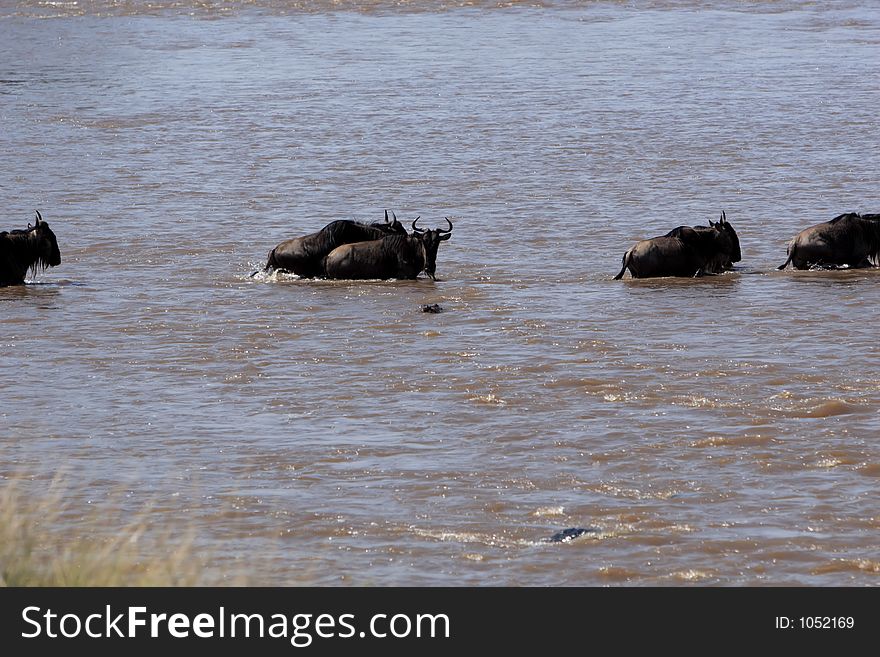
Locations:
column 718, row 430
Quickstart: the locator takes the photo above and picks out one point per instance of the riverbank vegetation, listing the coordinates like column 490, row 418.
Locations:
column 44, row 543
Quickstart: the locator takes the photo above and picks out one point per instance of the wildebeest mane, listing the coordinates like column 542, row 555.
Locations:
column 23, row 246
column 678, row 232
column 871, row 224
column 342, row 232
column 692, row 236
column 395, row 242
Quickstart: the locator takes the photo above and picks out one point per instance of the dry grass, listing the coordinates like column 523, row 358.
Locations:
column 43, row 543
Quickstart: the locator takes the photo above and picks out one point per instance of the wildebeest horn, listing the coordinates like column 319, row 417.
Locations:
column 386, row 216
column 39, row 217
column 723, row 218
column 440, row 230
column 394, row 215
column 417, row 230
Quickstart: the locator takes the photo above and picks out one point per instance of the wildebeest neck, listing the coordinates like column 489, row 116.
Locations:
column 871, row 230
column 345, row 232
column 21, row 250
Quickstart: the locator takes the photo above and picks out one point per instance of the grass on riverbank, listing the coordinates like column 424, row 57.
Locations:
column 42, row 544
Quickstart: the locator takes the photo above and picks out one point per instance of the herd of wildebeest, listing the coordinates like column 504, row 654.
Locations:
column 347, row 249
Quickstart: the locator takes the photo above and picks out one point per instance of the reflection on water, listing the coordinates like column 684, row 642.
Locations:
column 715, row 431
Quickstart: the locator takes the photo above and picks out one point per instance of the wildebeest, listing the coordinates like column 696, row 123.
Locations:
column 395, row 256
column 723, row 261
column 685, row 251
column 850, row 239
column 20, row 250
column 303, row 255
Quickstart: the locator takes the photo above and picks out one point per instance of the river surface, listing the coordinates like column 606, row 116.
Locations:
column 717, row 431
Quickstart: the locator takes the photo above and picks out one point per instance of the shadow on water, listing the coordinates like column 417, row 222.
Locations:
column 36, row 290
column 828, row 277
column 831, row 277
column 55, row 284
column 727, row 280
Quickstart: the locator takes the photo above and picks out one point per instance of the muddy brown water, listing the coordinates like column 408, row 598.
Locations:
column 715, row 431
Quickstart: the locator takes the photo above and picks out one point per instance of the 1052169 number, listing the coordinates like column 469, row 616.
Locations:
column 815, row 623
column 826, row 622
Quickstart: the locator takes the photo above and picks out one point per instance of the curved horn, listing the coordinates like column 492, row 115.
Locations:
column 386, row 217
column 39, row 217
column 394, row 215
column 417, row 230
column 440, row 230
column 723, row 217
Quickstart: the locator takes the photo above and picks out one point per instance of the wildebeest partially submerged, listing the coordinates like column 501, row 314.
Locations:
column 303, row 255
column 685, row 251
column 20, row 250
column 848, row 240
column 395, row 256
column 729, row 253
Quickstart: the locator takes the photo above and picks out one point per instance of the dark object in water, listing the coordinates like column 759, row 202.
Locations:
column 849, row 240
column 303, row 255
column 20, row 250
column 567, row 535
column 396, row 256
column 685, row 251
column 432, row 308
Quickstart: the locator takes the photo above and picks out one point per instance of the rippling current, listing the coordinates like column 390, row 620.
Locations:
column 717, row 431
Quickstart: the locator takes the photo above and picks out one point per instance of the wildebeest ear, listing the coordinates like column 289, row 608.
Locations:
column 444, row 237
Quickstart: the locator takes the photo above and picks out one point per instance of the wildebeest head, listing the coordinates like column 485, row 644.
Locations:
column 724, row 227
column 48, row 255
column 390, row 227
column 430, row 240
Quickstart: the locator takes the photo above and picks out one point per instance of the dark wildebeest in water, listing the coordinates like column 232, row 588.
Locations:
column 34, row 248
column 303, row 255
column 849, row 240
column 685, row 251
column 724, row 260
column 395, row 256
